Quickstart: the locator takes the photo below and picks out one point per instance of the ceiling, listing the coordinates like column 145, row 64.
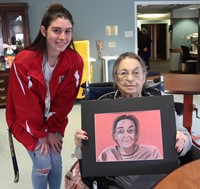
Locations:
column 165, row 8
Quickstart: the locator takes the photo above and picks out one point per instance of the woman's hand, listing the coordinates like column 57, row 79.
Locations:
column 55, row 142
column 43, row 146
column 180, row 141
column 79, row 136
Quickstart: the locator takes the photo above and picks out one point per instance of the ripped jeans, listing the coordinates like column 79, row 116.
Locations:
column 52, row 165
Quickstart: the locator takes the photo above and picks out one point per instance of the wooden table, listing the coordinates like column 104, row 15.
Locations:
column 187, row 85
column 185, row 177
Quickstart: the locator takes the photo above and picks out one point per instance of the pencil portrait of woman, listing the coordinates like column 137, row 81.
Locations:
column 125, row 133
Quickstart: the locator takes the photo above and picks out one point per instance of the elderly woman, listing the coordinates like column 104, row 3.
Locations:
column 129, row 74
column 126, row 133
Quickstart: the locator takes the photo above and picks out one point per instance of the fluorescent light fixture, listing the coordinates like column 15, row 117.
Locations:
column 150, row 16
column 144, row 5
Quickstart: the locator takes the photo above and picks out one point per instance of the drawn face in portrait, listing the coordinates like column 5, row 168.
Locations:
column 125, row 133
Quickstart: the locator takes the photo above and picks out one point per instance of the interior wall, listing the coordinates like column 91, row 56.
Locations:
column 182, row 28
column 90, row 18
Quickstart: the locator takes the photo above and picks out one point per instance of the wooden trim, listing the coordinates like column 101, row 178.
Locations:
column 13, row 6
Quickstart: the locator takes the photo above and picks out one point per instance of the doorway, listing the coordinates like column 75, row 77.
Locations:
column 158, row 35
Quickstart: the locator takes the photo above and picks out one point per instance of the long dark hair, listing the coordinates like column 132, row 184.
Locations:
column 53, row 12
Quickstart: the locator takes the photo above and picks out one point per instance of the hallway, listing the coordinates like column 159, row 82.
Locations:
column 162, row 66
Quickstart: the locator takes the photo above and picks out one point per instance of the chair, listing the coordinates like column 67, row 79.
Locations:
column 93, row 91
column 193, row 154
column 191, row 63
column 151, row 73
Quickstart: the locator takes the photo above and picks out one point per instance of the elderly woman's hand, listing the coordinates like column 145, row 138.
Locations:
column 180, row 141
column 79, row 136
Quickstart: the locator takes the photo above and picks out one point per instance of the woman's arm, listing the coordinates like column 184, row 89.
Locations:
column 183, row 138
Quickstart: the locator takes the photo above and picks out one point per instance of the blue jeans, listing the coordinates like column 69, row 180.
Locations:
column 52, row 163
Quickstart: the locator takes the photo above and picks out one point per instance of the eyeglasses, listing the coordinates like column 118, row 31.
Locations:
column 123, row 74
column 130, row 130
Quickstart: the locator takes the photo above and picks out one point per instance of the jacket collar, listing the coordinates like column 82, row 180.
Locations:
column 35, row 66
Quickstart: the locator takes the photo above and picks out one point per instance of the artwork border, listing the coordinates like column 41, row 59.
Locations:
column 90, row 167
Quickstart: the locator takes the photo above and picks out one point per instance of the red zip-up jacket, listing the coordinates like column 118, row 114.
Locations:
column 27, row 90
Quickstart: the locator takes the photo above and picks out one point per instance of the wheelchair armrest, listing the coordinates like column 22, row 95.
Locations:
column 99, row 84
column 191, row 155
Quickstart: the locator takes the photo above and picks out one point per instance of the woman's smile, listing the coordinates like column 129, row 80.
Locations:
column 61, row 44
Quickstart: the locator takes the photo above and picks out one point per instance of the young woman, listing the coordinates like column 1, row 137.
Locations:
column 44, row 82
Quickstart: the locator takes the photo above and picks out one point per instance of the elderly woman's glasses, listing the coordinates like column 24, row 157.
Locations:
column 123, row 74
